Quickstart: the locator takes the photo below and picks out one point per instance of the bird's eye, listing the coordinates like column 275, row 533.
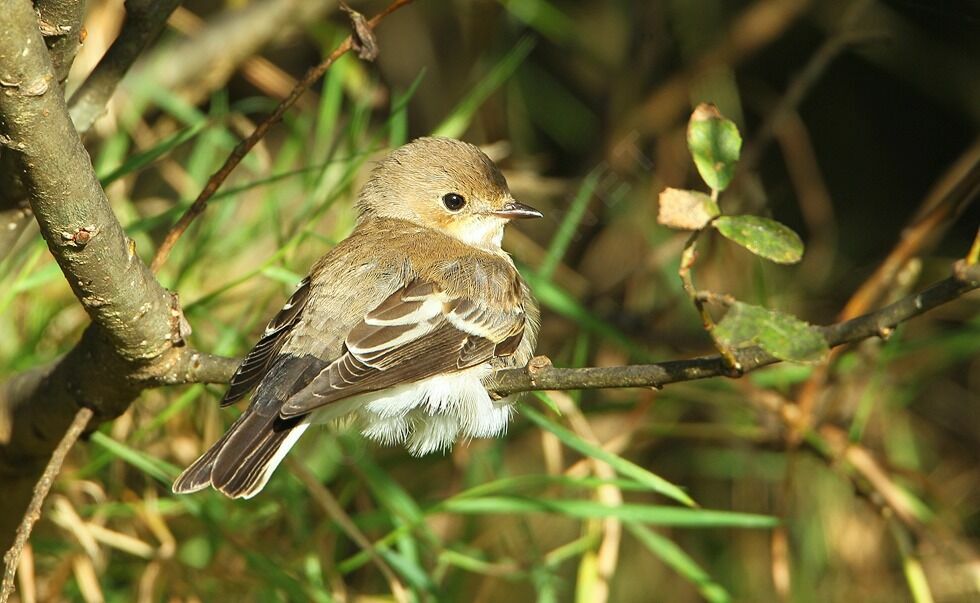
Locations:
column 453, row 201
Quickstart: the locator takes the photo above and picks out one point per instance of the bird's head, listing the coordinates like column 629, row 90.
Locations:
column 447, row 185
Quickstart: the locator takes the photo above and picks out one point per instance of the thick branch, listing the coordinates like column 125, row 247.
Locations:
column 880, row 323
column 144, row 21
column 60, row 22
column 137, row 334
column 75, row 218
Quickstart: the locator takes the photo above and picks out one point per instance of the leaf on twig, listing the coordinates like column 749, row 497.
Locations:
column 715, row 145
column 686, row 210
column 782, row 335
column 763, row 237
column 363, row 39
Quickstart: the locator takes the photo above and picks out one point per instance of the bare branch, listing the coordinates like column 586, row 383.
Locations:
column 75, row 218
column 144, row 21
column 60, row 22
column 242, row 149
column 543, row 376
column 136, row 340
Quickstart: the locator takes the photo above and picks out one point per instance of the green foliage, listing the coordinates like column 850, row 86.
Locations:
column 715, row 144
column 782, row 335
column 764, row 237
column 622, row 466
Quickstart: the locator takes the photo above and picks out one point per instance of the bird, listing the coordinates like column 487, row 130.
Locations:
column 398, row 328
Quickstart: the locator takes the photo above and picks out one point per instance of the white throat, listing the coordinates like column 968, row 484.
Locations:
column 485, row 233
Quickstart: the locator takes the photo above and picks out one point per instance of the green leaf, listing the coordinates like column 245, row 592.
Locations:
column 675, row 557
column 782, row 335
column 763, row 237
column 618, row 463
column 569, row 224
column 587, row 509
column 161, row 470
column 686, row 210
column 715, row 145
column 141, row 160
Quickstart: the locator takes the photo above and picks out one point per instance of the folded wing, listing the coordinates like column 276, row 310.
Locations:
column 261, row 357
column 416, row 333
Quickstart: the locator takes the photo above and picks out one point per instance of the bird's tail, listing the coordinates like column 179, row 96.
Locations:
column 243, row 460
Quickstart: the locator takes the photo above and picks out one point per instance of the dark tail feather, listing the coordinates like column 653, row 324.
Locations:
column 198, row 475
column 242, row 461
column 252, row 452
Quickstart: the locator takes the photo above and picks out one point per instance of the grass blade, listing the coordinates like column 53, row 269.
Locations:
column 618, row 463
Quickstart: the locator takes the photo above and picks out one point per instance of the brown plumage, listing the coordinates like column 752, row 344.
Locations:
column 399, row 325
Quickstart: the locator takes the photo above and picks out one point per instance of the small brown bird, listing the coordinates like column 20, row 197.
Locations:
column 401, row 325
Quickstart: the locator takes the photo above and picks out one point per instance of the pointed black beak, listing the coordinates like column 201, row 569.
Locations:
column 514, row 210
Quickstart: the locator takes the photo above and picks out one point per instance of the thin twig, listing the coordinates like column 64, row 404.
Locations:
column 12, row 558
column 688, row 257
column 543, row 376
column 243, row 147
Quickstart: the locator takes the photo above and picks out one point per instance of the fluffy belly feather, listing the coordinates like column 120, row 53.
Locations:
column 428, row 415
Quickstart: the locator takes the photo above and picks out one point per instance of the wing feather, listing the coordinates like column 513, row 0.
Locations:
column 260, row 359
column 416, row 333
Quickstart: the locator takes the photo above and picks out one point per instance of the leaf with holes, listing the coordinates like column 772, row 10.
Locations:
column 782, row 335
column 764, row 237
column 715, row 144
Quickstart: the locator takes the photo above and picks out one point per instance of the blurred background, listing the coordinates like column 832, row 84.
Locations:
column 853, row 480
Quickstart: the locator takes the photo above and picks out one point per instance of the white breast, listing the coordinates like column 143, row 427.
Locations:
column 428, row 415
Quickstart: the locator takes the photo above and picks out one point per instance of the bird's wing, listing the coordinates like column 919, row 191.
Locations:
column 417, row 332
column 260, row 359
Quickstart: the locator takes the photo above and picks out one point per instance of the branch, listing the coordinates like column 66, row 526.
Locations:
column 542, row 376
column 144, row 22
column 72, row 211
column 136, row 339
column 60, row 22
column 362, row 30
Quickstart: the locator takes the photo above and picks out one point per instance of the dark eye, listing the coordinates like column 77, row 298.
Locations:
column 453, row 201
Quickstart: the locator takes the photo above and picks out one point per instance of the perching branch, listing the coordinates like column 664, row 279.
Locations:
column 543, row 376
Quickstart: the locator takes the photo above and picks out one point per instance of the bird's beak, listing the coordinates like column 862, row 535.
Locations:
column 514, row 210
